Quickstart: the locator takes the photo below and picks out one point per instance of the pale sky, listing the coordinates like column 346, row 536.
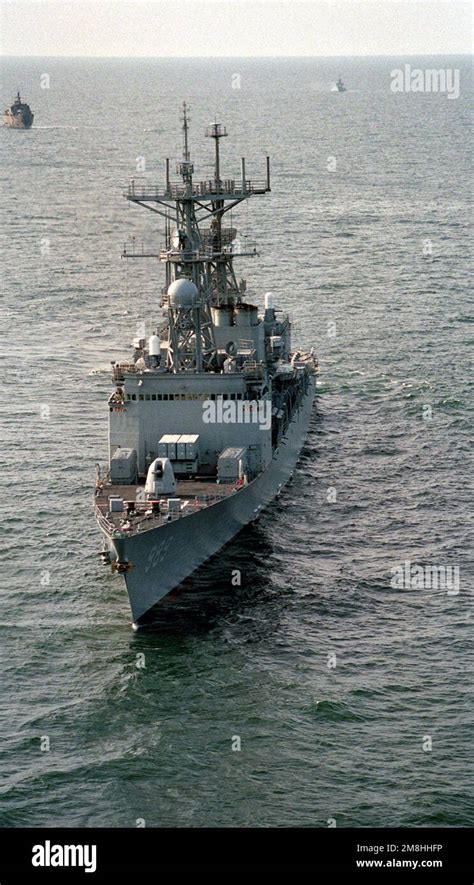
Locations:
column 159, row 28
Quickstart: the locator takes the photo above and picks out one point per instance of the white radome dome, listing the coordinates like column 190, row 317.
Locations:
column 269, row 303
column 154, row 345
column 182, row 293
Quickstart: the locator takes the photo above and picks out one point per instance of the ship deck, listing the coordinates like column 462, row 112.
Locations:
column 193, row 495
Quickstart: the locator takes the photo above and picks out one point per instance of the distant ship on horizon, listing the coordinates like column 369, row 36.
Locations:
column 340, row 85
column 19, row 115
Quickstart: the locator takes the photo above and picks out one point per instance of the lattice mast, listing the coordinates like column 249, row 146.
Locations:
column 197, row 245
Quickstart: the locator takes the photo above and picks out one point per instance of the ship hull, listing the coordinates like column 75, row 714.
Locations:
column 17, row 122
column 162, row 558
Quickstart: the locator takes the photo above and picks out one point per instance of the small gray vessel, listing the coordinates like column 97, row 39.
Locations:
column 19, row 115
column 207, row 419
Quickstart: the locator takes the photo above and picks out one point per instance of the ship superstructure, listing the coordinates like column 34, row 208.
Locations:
column 207, row 419
column 19, row 115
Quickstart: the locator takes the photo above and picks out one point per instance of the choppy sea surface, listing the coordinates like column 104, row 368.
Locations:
column 350, row 697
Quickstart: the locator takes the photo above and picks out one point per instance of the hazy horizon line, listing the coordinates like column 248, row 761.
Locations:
column 463, row 53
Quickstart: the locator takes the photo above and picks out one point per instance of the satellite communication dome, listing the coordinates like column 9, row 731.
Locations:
column 182, row 293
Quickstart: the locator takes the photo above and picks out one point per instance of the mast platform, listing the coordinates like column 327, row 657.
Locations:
column 229, row 189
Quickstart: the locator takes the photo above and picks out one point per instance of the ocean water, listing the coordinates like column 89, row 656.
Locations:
column 351, row 698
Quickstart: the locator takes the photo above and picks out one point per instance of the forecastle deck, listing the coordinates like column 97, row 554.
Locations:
column 190, row 496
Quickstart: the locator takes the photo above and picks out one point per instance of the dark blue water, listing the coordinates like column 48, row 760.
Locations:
column 379, row 247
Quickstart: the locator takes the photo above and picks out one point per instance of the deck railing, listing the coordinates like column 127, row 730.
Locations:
column 176, row 190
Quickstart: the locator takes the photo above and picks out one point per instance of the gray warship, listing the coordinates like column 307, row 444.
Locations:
column 19, row 115
column 208, row 417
